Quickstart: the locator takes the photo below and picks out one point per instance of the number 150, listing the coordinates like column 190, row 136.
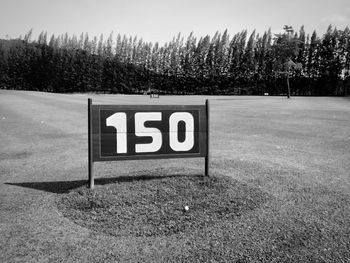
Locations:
column 119, row 122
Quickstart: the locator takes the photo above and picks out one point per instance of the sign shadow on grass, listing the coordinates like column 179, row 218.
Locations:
column 61, row 187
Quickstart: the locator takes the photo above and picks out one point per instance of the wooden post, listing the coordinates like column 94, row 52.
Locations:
column 208, row 135
column 90, row 162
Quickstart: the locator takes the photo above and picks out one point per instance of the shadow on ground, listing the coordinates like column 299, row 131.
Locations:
column 61, row 187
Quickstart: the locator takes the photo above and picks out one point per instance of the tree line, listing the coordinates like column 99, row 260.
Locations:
column 288, row 63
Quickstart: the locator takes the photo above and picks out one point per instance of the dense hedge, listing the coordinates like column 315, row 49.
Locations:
column 209, row 65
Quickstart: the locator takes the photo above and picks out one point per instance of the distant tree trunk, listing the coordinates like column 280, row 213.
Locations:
column 288, row 87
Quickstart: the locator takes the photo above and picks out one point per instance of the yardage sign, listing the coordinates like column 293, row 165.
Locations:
column 129, row 132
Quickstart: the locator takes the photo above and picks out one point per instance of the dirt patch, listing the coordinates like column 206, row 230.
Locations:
column 160, row 206
column 15, row 155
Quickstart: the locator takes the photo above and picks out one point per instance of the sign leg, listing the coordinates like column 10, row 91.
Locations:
column 90, row 162
column 208, row 141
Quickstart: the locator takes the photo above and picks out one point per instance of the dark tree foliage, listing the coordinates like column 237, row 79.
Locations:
column 241, row 64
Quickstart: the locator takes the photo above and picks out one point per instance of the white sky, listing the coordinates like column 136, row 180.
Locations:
column 161, row 20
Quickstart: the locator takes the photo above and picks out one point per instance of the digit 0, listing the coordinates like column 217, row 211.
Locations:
column 174, row 120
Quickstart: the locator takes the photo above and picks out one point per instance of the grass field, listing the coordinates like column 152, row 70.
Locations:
column 286, row 161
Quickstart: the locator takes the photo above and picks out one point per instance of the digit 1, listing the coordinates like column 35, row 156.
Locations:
column 118, row 121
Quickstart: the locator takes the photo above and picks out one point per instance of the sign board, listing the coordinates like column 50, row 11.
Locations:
column 134, row 132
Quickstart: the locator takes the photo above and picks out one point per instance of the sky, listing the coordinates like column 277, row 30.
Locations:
column 161, row 20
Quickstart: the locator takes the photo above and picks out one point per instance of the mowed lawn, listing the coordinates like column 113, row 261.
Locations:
column 294, row 152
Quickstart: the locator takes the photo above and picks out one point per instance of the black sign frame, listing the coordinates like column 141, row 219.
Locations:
column 96, row 135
